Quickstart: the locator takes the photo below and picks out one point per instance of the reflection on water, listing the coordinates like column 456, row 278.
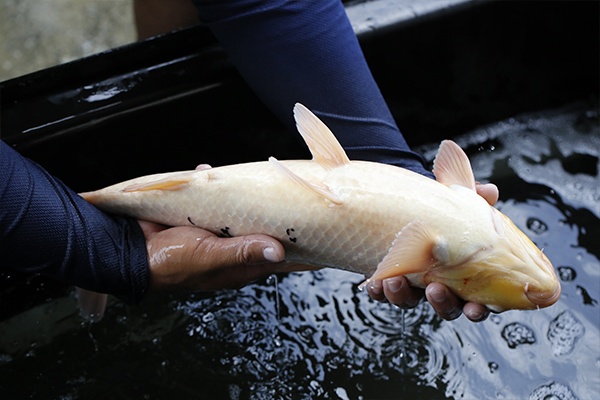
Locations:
column 314, row 335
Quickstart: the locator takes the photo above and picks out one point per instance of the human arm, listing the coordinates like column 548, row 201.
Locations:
column 307, row 52
column 47, row 228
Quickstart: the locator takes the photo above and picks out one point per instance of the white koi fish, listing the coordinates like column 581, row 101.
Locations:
column 370, row 218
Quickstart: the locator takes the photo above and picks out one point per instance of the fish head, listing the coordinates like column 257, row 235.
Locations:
column 505, row 270
column 531, row 270
column 498, row 266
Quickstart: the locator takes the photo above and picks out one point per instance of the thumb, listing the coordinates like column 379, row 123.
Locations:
column 196, row 259
column 237, row 261
column 241, row 250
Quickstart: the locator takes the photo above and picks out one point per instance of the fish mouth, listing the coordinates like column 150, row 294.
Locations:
column 542, row 298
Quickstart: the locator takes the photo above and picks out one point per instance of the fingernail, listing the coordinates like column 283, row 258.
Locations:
column 375, row 288
column 394, row 284
column 270, row 254
column 438, row 295
column 478, row 316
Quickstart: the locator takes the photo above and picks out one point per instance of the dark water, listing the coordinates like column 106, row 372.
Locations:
column 313, row 335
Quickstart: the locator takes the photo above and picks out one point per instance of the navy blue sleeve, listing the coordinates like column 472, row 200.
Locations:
column 306, row 51
column 47, row 228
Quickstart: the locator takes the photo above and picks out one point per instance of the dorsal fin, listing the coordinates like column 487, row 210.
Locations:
column 323, row 145
column 452, row 166
column 318, row 189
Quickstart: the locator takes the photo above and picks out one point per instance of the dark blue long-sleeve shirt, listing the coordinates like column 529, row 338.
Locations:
column 46, row 227
column 306, row 51
column 288, row 51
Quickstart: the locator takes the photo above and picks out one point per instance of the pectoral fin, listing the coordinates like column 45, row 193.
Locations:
column 313, row 187
column 173, row 182
column 323, row 145
column 452, row 166
column 411, row 252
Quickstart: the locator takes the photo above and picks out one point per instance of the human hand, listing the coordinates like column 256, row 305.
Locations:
column 447, row 305
column 190, row 258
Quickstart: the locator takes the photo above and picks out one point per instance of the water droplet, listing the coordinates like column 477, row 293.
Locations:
column 492, row 366
column 316, row 388
column 208, row 317
column 566, row 274
column 536, row 226
column 341, row 393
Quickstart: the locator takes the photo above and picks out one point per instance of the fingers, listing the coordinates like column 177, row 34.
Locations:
column 446, row 304
column 396, row 290
column 476, row 312
column 449, row 307
column 242, row 250
column 488, row 191
column 189, row 258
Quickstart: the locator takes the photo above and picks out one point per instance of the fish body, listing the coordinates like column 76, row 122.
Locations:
column 370, row 218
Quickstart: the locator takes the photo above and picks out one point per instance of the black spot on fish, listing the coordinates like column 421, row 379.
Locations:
column 291, row 236
column 225, row 233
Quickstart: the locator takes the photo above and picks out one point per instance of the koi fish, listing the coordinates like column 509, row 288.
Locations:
column 374, row 219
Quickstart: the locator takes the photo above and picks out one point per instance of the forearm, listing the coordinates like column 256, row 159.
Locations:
column 307, row 52
column 47, row 228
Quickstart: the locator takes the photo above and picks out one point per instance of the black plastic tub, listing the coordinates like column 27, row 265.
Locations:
column 174, row 101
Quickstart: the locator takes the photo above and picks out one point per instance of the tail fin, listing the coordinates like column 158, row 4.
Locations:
column 91, row 304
